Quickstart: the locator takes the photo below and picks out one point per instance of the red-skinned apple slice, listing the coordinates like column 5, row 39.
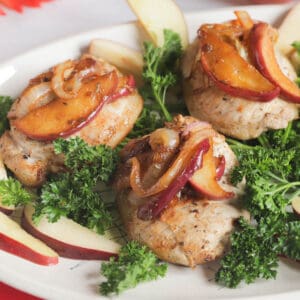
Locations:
column 15, row 240
column 262, row 39
column 205, row 179
column 152, row 209
column 296, row 206
column 69, row 239
column 221, row 164
column 63, row 117
column 3, row 176
column 230, row 72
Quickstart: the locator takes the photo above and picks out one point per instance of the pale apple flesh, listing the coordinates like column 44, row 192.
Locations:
column 157, row 15
column 128, row 60
column 63, row 117
column 230, row 72
column 69, row 239
column 289, row 30
column 262, row 38
column 296, row 206
column 15, row 240
column 205, row 181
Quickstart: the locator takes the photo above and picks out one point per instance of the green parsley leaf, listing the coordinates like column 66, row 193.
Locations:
column 73, row 194
column 161, row 70
column 135, row 264
column 13, row 193
column 270, row 166
column 5, row 104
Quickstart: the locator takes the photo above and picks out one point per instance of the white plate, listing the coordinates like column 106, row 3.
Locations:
column 72, row 279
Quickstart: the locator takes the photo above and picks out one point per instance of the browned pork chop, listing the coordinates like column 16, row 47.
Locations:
column 192, row 229
column 233, row 116
column 30, row 160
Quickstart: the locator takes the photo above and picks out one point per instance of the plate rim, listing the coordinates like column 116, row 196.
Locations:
column 41, row 292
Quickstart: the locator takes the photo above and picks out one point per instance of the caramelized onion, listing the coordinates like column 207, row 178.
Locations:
column 68, row 76
column 244, row 19
column 175, row 169
column 152, row 209
column 164, row 138
column 34, row 96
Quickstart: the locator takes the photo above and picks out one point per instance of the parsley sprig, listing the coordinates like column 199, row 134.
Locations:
column 73, row 194
column 5, row 104
column 270, row 165
column 161, row 70
column 135, row 264
column 13, row 193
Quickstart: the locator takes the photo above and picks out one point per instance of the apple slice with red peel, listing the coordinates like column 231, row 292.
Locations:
column 63, row 117
column 15, row 240
column 70, row 239
column 126, row 59
column 204, row 180
column 221, row 164
column 153, row 209
column 262, row 39
column 3, row 176
column 232, row 73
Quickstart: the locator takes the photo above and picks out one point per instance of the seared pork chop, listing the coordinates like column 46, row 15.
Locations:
column 192, row 229
column 30, row 160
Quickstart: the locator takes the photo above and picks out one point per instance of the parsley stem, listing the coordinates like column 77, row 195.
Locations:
column 277, row 178
column 235, row 144
column 263, row 141
column 284, row 187
column 287, row 133
column 161, row 104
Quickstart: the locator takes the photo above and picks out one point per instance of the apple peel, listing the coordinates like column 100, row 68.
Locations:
column 153, row 209
column 232, row 73
column 70, row 239
column 63, row 117
column 205, row 179
column 15, row 240
column 262, row 38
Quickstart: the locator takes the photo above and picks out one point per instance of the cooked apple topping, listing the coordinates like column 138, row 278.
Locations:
column 239, row 57
column 79, row 98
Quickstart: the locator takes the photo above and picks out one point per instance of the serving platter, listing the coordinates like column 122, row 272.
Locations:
column 74, row 279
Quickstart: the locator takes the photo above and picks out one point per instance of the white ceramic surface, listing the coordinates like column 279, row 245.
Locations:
column 74, row 280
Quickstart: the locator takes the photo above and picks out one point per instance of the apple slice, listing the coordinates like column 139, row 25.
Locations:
column 128, row 60
column 289, row 30
column 157, row 15
column 204, row 180
column 262, row 37
column 3, row 176
column 230, row 72
column 69, row 238
column 63, row 117
column 15, row 240
column 296, row 206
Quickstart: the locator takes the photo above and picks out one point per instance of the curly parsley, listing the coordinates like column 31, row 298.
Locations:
column 270, row 165
column 135, row 264
column 73, row 194
column 5, row 104
column 13, row 193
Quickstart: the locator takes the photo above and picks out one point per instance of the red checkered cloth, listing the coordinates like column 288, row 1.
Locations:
column 18, row 5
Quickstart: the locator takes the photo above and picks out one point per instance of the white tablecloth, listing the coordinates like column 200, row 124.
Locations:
column 61, row 18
